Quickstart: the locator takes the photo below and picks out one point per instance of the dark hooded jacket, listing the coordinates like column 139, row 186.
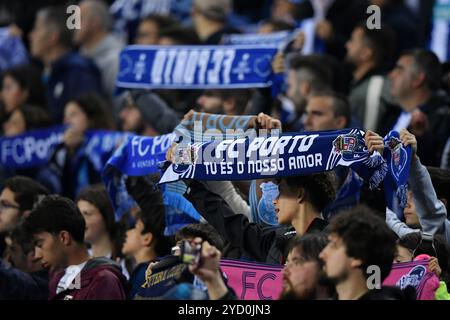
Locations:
column 258, row 242
column 18, row 285
column 100, row 279
column 70, row 76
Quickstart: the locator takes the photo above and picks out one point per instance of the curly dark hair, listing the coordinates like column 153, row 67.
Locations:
column 203, row 230
column 320, row 188
column 55, row 214
column 366, row 237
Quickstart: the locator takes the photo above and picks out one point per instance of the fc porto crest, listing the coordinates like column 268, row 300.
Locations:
column 412, row 278
column 184, row 157
column 351, row 146
column 399, row 156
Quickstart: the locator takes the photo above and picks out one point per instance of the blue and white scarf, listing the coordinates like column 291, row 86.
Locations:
column 31, row 149
column 196, row 67
column 398, row 158
column 179, row 212
column 138, row 156
column 348, row 195
column 279, row 155
column 34, row 148
column 204, row 127
column 279, row 39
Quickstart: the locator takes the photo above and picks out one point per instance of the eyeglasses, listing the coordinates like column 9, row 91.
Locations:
column 5, row 205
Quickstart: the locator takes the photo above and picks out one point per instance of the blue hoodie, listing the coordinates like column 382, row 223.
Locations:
column 70, row 76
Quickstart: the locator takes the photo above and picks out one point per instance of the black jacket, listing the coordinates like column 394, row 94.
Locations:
column 150, row 200
column 19, row 285
column 431, row 144
column 390, row 293
column 260, row 243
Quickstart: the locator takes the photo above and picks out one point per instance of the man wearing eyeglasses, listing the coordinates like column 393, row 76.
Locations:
column 21, row 275
column 16, row 201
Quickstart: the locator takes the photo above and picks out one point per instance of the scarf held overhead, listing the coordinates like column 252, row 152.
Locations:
column 34, row 148
column 281, row 155
column 196, row 67
column 139, row 156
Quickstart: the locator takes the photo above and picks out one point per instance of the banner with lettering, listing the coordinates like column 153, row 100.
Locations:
column 35, row 147
column 140, row 156
column 137, row 156
column 196, row 67
column 415, row 274
column 258, row 281
column 253, row 281
column 280, row 39
column 32, row 149
column 278, row 155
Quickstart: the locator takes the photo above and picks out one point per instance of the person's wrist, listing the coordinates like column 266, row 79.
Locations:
column 215, row 279
column 216, row 287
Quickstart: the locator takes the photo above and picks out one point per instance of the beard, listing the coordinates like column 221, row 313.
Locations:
column 291, row 295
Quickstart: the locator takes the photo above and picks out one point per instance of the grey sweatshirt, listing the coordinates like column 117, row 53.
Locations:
column 430, row 210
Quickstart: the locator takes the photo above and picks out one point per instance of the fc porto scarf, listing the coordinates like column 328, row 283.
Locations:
column 32, row 149
column 280, row 155
column 279, row 39
column 398, row 158
column 196, row 67
column 204, row 127
column 35, row 147
column 179, row 212
column 138, row 156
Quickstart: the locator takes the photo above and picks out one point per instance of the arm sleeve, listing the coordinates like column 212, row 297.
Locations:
column 399, row 227
column 228, row 192
column 146, row 194
column 16, row 284
column 253, row 238
column 431, row 211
